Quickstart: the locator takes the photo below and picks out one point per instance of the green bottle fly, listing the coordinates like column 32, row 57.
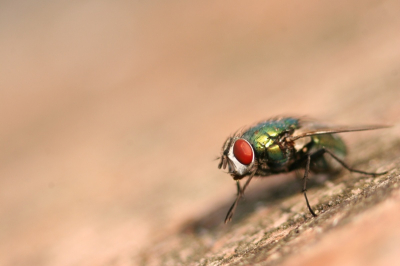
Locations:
column 284, row 144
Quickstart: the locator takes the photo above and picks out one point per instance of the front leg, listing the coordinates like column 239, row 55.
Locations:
column 239, row 195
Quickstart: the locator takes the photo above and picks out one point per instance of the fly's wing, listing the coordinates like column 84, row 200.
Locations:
column 312, row 128
column 323, row 137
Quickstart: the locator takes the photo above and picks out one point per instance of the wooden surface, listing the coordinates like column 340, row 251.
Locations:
column 113, row 113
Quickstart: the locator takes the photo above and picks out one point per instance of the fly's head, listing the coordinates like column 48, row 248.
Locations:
column 238, row 154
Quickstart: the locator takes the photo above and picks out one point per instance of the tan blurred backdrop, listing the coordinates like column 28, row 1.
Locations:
column 112, row 112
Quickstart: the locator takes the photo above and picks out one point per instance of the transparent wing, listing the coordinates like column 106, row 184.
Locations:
column 312, row 128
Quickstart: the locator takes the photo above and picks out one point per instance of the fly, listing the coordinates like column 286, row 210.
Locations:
column 282, row 145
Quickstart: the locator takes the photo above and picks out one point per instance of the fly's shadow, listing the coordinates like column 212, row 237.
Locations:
column 262, row 195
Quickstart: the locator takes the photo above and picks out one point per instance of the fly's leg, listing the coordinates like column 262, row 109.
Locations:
column 318, row 154
column 305, row 184
column 233, row 207
column 239, row 195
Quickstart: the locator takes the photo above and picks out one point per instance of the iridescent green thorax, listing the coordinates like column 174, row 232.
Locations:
column 263, row 137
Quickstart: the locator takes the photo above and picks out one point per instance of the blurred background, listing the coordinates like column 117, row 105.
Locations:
column 112, row 112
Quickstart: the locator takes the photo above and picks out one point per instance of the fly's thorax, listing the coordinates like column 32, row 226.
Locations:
column 262, row 142
column 269, row 143
column 262, row 139
column 272, row 151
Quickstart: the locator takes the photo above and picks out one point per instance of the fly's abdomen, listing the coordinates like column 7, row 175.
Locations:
column 334, row 144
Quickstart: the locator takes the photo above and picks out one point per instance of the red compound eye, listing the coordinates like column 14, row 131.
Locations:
column 243, row 151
